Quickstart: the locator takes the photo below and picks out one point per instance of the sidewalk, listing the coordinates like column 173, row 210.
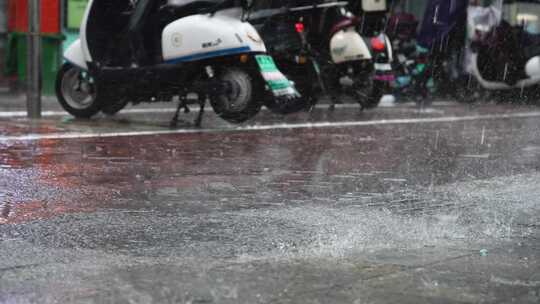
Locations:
column 17, row 102
column 10, row 102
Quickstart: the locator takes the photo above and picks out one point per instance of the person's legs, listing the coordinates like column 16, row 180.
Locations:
column 136, row 30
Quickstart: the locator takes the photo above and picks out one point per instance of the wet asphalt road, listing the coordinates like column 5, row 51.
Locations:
column 391, row 206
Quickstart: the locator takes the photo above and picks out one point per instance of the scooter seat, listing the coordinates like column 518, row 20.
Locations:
column 343, row 24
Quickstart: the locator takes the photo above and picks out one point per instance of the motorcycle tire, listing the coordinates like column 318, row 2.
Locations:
column 76, row 93
column 374, row 95
column 466, row 96
column 242, row 99
column 113, row 109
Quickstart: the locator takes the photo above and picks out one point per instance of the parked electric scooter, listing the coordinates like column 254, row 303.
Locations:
column 320, row 48
column 202, row 47
column 286, row 41
column 374, row 26
column 361, row 59
column 505, row 48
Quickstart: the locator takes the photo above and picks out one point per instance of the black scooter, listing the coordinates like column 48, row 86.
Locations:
column 319, row 47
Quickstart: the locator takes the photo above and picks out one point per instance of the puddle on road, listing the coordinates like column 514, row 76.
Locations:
column 244, row 245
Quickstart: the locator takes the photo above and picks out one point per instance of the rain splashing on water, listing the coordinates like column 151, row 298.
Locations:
column 465, row 214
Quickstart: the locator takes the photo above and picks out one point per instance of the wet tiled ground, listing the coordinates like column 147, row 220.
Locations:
column 380, row 213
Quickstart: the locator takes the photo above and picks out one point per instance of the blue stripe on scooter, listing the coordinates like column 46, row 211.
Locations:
column 206, row 55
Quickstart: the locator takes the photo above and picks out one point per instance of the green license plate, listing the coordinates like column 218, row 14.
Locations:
column 266, row 63
column 276, row 81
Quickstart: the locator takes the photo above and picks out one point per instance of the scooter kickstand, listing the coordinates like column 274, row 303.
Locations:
column 363, row 105
column 362, row 108
column 311, row 108
column 333, row 103
column 198, row 120
column 181, row 105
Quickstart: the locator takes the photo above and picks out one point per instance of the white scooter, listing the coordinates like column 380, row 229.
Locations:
column 202, row 47
column 364, row 61
column 486, row 26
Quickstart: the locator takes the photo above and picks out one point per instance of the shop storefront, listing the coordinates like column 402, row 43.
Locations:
column 3, row 39
column 51, row 39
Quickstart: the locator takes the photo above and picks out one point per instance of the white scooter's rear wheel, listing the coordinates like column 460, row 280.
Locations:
column 370, row 95
column 241, row 99
column 115, row 107
column 77, row 92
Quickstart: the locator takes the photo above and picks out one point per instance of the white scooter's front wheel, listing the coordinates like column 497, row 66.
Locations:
column 77, row 92
column 241, row 98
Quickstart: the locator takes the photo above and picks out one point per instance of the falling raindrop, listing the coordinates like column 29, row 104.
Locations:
column 363, row 23
column 482, row 141
column 396, row 26
column 5, row 211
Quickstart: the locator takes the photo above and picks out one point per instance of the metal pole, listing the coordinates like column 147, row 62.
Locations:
column 33, row 62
